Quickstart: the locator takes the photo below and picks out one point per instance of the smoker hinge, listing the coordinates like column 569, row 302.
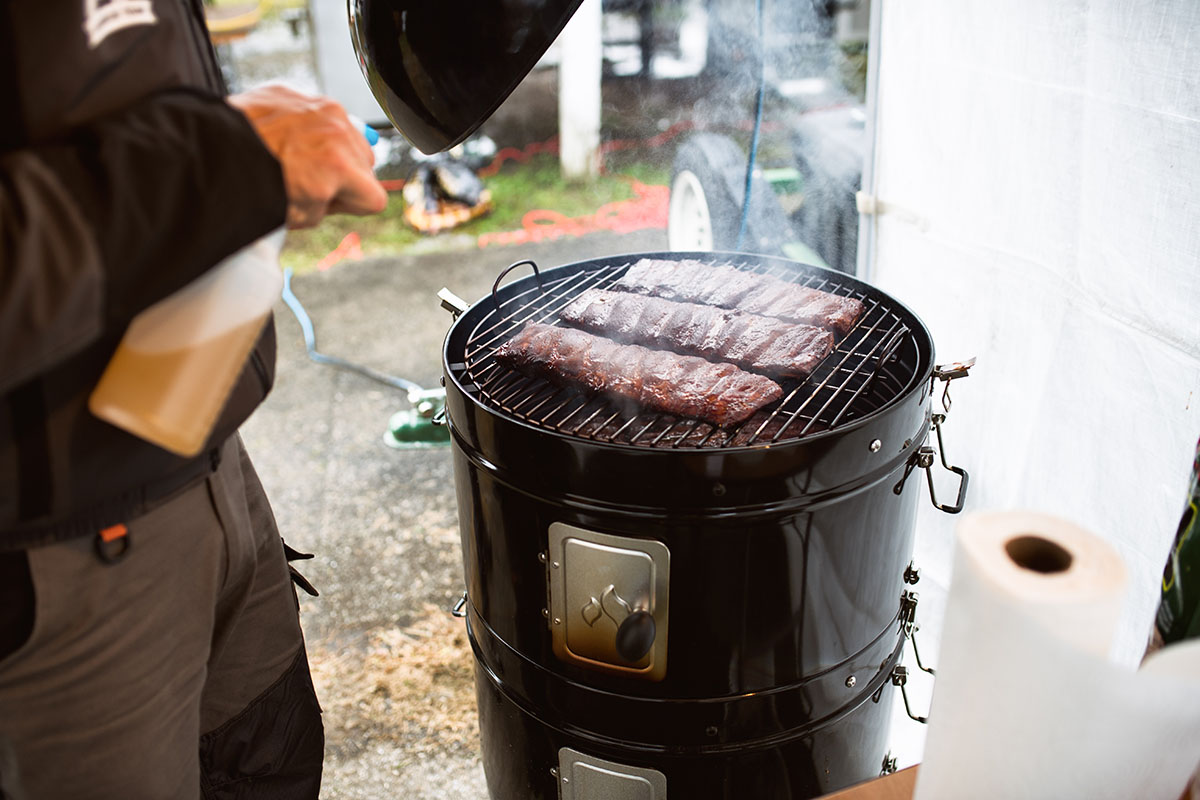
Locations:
column 452, row 302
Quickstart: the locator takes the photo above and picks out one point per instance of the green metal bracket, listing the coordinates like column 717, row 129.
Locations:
column 423, row 425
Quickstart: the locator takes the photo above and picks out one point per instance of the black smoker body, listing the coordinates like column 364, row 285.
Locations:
column 713, row 621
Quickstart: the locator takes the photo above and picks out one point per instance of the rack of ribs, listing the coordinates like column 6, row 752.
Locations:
column 656, row 380
column 753, row 342
column 691, row 281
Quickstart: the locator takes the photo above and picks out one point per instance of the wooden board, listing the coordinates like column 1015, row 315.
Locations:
column 897, row 786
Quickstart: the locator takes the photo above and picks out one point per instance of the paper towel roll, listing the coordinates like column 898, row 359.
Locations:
column 1026, row 703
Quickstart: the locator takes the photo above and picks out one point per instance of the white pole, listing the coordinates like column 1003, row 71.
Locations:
column 579, row 93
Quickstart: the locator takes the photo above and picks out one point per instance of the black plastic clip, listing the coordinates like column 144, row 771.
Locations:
column 292, row 554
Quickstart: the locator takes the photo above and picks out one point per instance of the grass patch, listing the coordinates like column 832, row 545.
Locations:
column 516, row 190
column 266, row 6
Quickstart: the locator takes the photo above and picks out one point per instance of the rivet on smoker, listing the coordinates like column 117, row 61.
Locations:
column 876, row 445
column 554, row 564
column 718, row 489
column 546, row 613
column 851, row 681
column 711, row 730
column 542, row 557
column 557, row 621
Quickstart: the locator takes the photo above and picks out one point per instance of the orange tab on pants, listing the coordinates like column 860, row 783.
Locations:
column 113, row 532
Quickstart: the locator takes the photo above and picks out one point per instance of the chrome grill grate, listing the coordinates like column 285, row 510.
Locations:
column 871, row 366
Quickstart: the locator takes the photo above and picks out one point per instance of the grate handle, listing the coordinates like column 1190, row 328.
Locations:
column 496, row 286
column 888, row 351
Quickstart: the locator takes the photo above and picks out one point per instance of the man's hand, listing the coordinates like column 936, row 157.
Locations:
column 327, row 163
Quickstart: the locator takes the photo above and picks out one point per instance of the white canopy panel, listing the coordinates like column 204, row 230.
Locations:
column 1044, row 159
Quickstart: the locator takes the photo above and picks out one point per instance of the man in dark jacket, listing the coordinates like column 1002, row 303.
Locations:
column 149, row 639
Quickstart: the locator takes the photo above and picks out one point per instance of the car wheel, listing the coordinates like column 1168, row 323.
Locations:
column 707, row 186
column 689, row 221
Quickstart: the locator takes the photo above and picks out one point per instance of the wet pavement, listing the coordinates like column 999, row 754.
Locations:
column 391, row 665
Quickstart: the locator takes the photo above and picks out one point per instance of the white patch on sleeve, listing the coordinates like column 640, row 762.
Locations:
column 102, row 18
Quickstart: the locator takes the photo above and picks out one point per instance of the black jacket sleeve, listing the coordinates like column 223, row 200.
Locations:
column 100, row 224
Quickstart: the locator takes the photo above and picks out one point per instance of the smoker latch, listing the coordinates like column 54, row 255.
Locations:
column 900, row 678
column 923, row 458
column 908, row 624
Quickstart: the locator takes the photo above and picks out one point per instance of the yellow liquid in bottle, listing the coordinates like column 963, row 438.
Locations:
column 172, row 397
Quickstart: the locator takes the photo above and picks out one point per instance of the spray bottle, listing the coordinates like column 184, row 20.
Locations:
column 177, row 363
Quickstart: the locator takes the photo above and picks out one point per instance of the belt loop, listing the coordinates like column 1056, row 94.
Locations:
column 113, row 543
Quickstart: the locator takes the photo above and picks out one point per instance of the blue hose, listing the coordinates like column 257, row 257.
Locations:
column 758, row 113
column 310, row 344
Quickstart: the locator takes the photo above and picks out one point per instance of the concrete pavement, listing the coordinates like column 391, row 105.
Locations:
column 392, row 668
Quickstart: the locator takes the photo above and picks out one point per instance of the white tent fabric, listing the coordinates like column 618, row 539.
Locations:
column 1045, row 161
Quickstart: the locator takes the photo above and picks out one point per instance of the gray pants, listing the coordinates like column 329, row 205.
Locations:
column 178, row 672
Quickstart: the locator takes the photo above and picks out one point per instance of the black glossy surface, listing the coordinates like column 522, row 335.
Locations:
column 439, row 69
column 620, row 714
column 786, row 566
column 523, row 733
column 758, row 600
